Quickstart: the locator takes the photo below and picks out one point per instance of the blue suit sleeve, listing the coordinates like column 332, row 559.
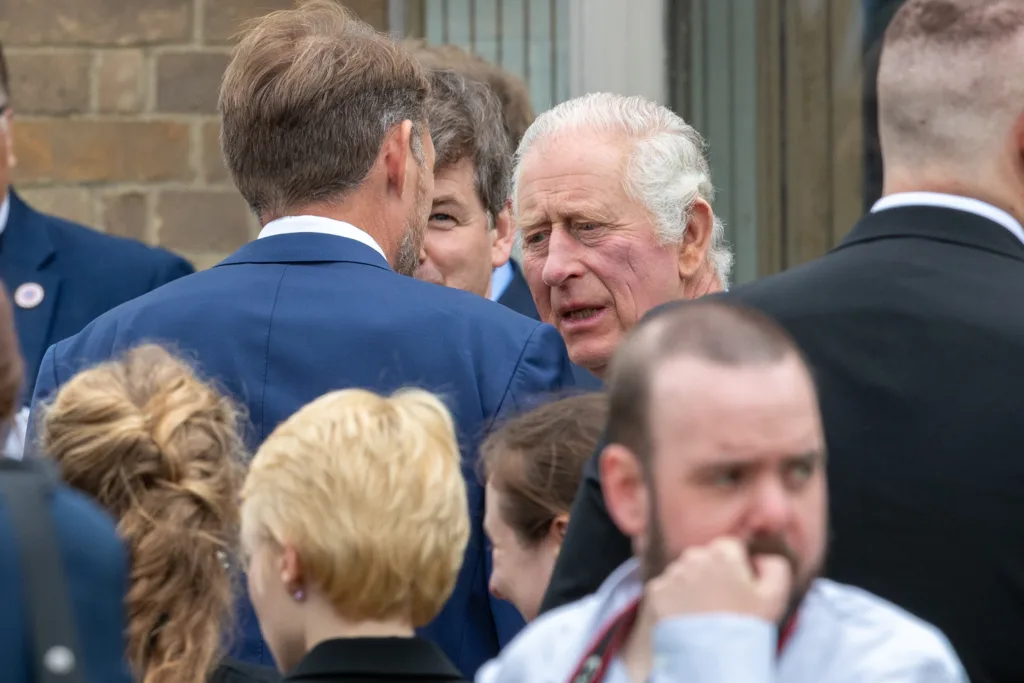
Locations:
column 543, row 372
column 172, row 268
column 46, row 385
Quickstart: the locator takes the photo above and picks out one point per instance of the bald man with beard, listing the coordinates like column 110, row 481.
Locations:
column 913, row 330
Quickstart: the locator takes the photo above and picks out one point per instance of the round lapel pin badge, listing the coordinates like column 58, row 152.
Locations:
column 29, row 295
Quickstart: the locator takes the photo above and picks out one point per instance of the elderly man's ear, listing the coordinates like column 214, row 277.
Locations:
column 694, row 248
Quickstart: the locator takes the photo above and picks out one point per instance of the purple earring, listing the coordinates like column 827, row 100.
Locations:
column 299, row 595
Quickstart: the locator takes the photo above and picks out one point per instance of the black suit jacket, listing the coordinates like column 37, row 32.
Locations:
column 517, row 297
column 375, row 660
column 233, row 671
column 914, row 331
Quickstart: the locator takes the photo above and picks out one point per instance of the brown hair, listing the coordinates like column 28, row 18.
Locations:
column 537, row 459
column 162, row 452
column 511, row 91
column 307, row 101
column 712, row 331
column 12, row 368
column 465, row 123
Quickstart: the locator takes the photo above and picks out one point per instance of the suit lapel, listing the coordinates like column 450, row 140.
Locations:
column 25, row 255
column 517, row 295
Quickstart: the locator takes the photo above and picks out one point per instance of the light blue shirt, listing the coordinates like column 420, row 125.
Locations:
column 501, row 278
column 842, row 635
column 5, row 210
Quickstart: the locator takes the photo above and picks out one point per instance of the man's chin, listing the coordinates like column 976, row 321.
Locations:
column 592, row 354
column 432, row 279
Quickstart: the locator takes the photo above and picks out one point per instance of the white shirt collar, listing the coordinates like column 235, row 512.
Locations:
column 951, row 201
column 5, row 211
column 328, row 226
column 501, row 278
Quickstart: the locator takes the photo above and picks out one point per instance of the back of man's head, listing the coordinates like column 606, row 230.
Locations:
column 511, row 91
column 714, row 332
column 307, row 101
column 465, row 123
column 950, row 95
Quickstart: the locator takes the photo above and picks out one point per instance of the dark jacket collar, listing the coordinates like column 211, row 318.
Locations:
column 517, row 294
column 306, row 247
column 936, row 223
column 395, row 657
column 26, row 238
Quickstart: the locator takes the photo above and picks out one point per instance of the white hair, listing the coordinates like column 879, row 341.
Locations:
column 666, row 170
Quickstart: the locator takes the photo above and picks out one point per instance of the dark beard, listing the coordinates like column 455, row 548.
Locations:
column 656, row 560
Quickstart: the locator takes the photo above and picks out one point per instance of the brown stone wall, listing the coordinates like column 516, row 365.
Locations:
column 115, row 114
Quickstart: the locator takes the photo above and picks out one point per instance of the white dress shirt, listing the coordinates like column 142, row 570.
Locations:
column 328, row 226
column 5, row 211
column 501, row 278
column 842, row 635
column 14, row 443
column 951, row 201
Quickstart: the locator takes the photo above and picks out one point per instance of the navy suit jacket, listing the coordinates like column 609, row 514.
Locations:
column 291, row 317
column 96, row 568
column 82, row 273
column 517, row 296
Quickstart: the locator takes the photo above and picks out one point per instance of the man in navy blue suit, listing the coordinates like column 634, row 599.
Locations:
column 95, row 565
column 62, row 275
column 325, row 134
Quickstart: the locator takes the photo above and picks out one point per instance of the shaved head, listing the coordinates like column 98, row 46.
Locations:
column 950, row 91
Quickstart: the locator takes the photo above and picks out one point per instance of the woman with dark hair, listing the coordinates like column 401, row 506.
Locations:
column 533, row 465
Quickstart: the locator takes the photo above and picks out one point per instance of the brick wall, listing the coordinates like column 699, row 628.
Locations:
column 115, row 115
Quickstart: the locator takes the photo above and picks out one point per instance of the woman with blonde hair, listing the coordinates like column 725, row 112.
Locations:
column 161, row 451
column 355, row 521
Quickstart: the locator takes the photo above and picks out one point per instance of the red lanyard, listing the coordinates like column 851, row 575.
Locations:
column 594, row 664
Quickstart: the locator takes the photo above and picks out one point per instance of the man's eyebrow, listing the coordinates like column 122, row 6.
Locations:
column 447, row 199
column 812, row 457
column 530, row 221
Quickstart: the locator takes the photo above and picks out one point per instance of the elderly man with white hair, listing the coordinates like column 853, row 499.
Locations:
column 612, row 198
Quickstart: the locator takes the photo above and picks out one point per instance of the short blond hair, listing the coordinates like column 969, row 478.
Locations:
column 307, row 101
column 369, row 492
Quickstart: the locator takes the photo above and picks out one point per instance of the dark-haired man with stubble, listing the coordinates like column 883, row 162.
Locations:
column 325, row 133
column 912, row 328
column 715, row 470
